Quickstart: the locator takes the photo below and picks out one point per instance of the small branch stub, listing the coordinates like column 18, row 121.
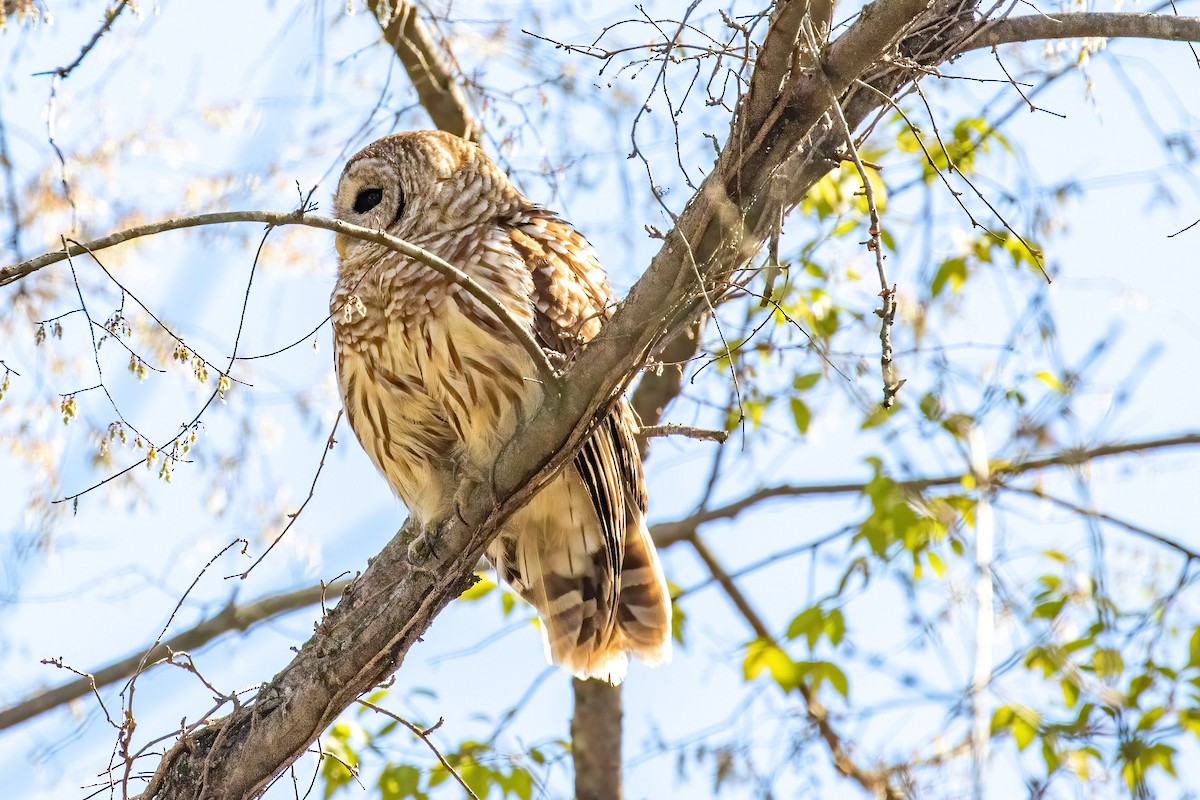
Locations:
column 887, row 315
column 701, row 434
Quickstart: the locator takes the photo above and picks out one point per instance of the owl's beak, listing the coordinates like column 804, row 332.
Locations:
column 340, row 243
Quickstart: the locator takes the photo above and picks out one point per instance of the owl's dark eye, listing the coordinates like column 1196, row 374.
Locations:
column 367, row 199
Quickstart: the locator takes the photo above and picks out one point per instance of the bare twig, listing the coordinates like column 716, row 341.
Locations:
column 110, row 16
column 231, row 618
column 329, row 443
column 1137, row 530
column 702, row 434
column 423, row 735
column 453, row 274
column 887, row 293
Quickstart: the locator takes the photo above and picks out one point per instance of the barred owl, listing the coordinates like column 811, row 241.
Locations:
column 434, row 386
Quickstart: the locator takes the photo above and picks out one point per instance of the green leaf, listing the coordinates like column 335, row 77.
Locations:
column 678, row 618
column 1051, row 380
column 754, row 409
column 808, row 624
column 338, row 755
column 1049, row 609
column 479, row 778
column 1194, row 649
column 953, row 271
column 1070, row 692
column 1002, row 719
column 835, row 626
column 935, row 561
column 1150, row 718
column 801, row 414
column 1137, row 685
column 1108, row 663
column 931, row 407
column 763, row 655
column 518, row 782
column 837, row 679
column 803, row 383
column 1189, row 720
column 479, row 589
column 1050, row 756
column 1024, row 726
column 887, row 239
column 880, row 415
column 399, row 781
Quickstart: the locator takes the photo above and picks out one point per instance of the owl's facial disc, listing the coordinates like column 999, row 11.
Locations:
column 368, row 195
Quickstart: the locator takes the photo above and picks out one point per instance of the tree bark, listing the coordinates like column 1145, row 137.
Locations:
column 596, row 740
column 428, row 68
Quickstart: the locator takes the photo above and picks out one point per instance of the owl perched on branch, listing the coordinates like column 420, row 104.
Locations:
column 434, row 386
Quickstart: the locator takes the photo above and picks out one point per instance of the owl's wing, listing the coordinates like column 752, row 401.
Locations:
column 572, row 297
column 599, row 587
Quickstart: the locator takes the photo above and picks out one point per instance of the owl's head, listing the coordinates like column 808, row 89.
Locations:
column 420, row 184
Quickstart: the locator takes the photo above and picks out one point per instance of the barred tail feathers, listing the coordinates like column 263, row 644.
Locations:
column 597, row 603
column 644, row 608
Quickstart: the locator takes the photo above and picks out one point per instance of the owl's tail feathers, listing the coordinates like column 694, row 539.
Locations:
column 592, row 615
column 644, row 609
column 582, row 637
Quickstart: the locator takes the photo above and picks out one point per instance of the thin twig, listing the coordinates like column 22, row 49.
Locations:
column 887, row 293
column 110, row 16
column 329, row 443
column 152, row 316
column 1137, row 530
column 667, row 533
column 423, row 735
column 453, row 274
column 231, row 618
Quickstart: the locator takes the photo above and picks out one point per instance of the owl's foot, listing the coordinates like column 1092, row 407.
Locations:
column 424, row 545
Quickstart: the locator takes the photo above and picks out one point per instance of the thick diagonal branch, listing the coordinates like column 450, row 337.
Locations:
column 428, row 67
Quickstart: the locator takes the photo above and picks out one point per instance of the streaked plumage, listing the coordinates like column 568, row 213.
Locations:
column 434, row 386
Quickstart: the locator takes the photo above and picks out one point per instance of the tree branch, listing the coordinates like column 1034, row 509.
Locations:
column 687, row 431
column 1084, row 24
column 665, row 534
column 232, row 617
column 365, row 638
column 428, row 68
column 524, row 337
column 874, row 781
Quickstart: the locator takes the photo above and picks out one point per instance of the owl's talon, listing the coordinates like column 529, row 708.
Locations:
column 458, row 512
column 422, row 547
